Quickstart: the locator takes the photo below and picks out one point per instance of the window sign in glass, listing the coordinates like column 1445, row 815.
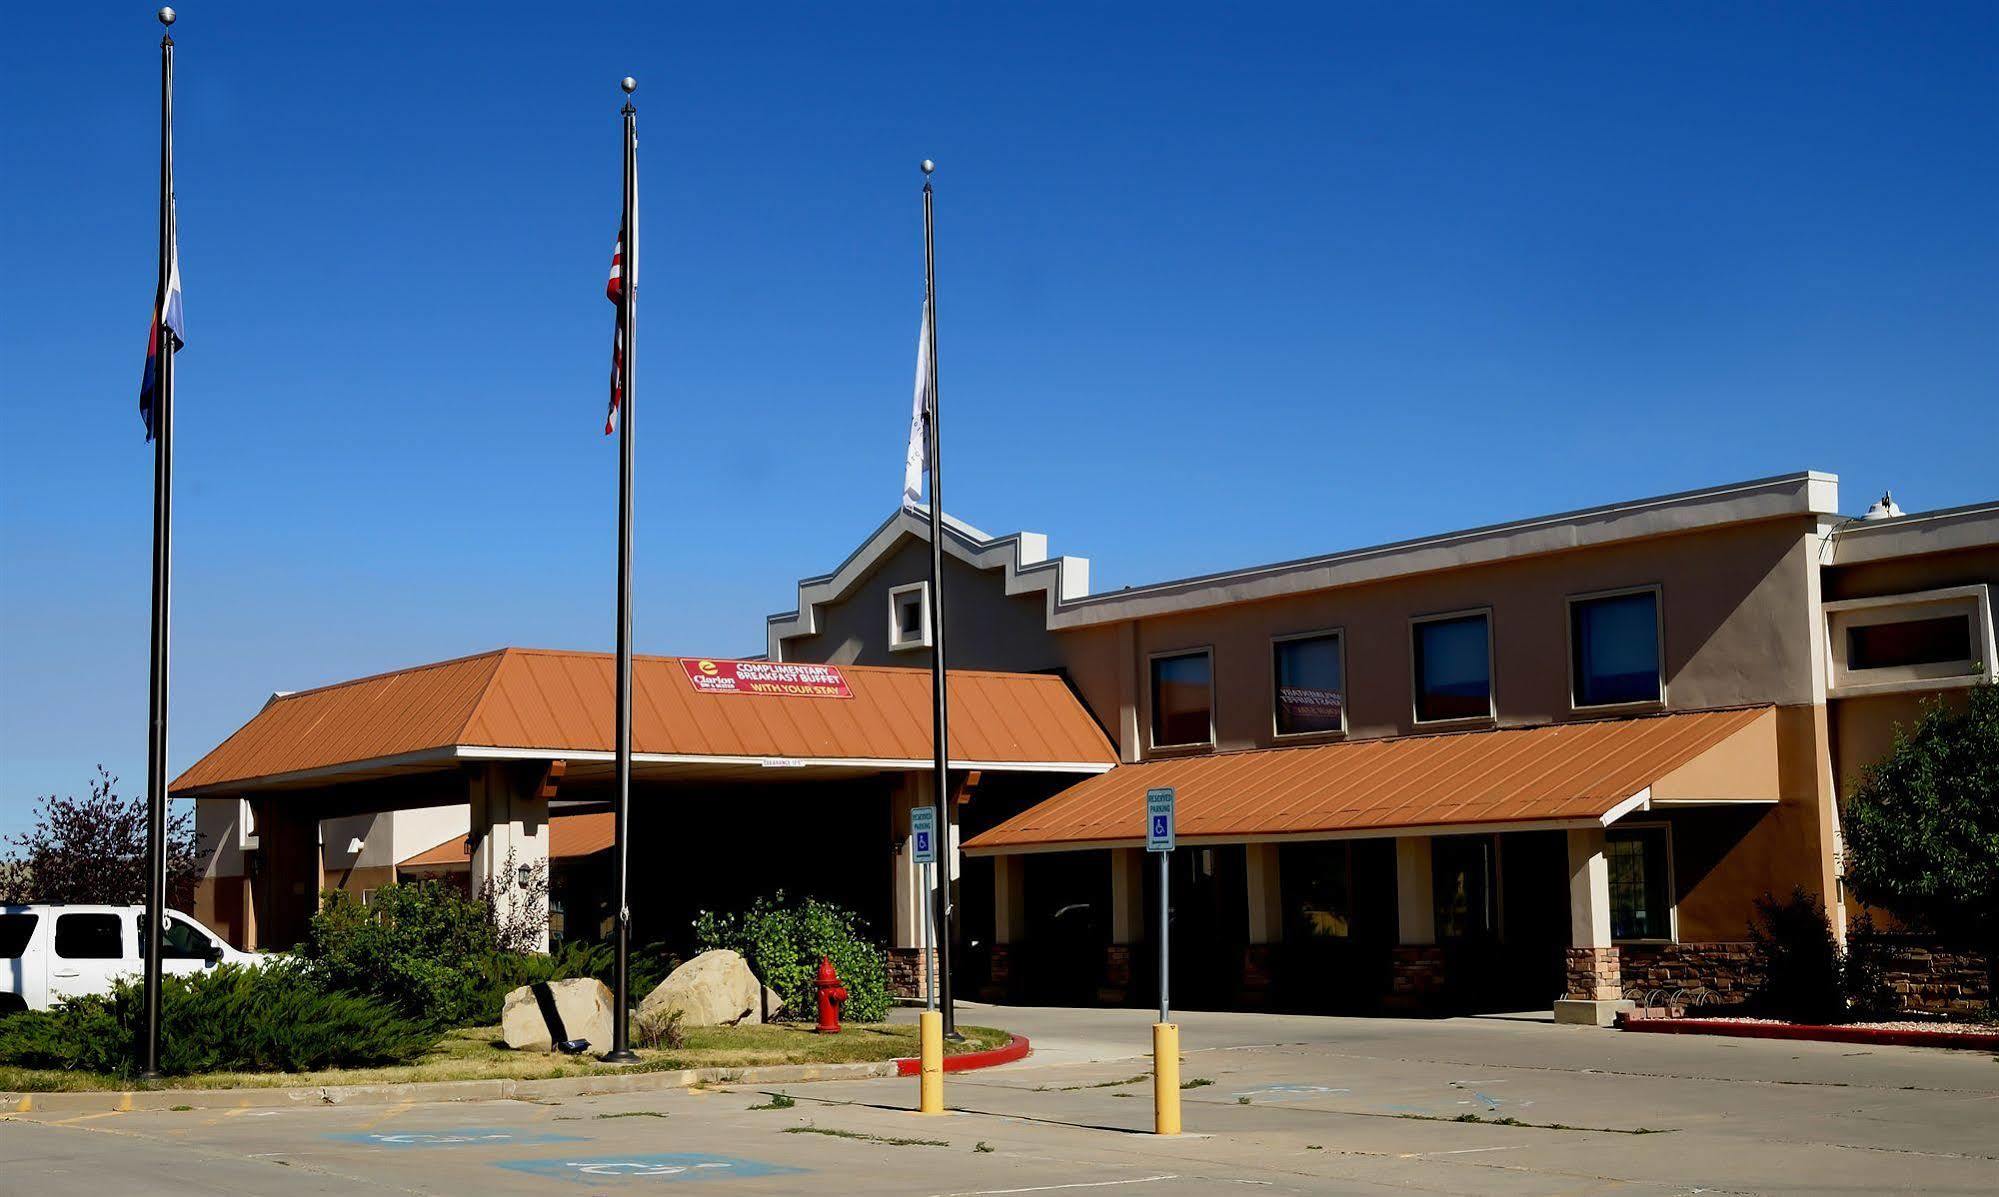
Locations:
column 1453, row 668
column 1640, row 887
column 1182, row 700
column 1616, row 645
column 1311, row 685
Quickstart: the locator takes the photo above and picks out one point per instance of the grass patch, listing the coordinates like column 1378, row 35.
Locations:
column 778, row 1101
column 1556, row 1126
column 1130, row 1080
column 864, row 1137
column 982, row 1147
column 634, row 1114
column 1196, row 1083
column 477, row 1053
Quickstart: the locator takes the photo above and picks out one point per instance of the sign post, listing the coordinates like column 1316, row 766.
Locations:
column 1165, row 1036
column 923, row 853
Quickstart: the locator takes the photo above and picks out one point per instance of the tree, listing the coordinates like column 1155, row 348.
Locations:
column 1922, row 828
column 94, row 850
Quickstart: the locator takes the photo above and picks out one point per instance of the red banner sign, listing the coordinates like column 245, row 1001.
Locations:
column 794, row 679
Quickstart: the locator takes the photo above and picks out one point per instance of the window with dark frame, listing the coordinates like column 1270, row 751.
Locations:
column 1614, row 649
column 1641, row 901
column 1182, row 700
column 908, row 618
column 1310, row 677
column 15, row 932
column 1453, row 668
column 1938, row 641
column 90, row 937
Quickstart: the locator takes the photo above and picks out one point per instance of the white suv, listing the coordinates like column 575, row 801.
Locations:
column 49, row 954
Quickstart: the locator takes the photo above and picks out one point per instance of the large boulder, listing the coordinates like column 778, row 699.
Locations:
column 537, row 1017
column 714, row 989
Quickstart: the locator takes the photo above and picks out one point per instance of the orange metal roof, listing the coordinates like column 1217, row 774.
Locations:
column 1560, row 772
column 539, row 700
column 568, row 836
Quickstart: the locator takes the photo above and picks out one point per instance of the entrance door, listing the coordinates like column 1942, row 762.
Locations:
column 1210, row 927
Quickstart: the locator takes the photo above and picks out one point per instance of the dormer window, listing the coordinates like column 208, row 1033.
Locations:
column 909, row 617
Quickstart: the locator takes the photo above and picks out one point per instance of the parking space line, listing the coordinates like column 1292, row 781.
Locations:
column 1081, row 1184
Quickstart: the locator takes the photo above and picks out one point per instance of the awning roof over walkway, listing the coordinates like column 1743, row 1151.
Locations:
column 1561, row 775
column 569, row 836
column 529, row 704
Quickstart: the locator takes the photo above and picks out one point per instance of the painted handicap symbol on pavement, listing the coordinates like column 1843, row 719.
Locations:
column 464, row 1136
column 671, row 1166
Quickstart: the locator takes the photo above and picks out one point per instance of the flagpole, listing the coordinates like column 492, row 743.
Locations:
column 163, row 469
column 939, row 700
column 628, row 289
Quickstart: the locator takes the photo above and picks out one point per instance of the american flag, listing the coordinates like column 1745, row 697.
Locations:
column 614, row 290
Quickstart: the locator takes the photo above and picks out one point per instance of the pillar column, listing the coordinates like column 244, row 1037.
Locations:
column 1009, row 921
column 1417, row 971
column 1266, row 921
column 1593, row 990
column 1127, row 923
column 509, row 833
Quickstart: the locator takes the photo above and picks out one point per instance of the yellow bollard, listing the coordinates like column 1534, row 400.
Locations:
column 1165, row 1078
column 930, row 1029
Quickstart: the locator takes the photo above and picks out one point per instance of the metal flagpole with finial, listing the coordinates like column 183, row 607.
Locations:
column 939, row 700
column 628, row 289
column 163, row 470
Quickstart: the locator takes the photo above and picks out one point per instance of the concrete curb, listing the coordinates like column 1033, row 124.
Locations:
column 1962, row 1040
column 1015, row 1048
column 505, row 1089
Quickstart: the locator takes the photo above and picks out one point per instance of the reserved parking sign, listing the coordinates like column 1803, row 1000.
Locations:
column 1159, row 819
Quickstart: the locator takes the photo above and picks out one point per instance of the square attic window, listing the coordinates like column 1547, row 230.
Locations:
column 909, row 617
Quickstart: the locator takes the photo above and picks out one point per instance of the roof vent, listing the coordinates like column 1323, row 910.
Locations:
column 1884, row 508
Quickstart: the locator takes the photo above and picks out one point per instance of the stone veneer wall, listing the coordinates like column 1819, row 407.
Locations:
column 1931, row 977
column 906, row 972
column 1731, row 971
column 1591, row 975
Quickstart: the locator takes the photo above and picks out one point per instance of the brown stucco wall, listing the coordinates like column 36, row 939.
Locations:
column 1904, row 575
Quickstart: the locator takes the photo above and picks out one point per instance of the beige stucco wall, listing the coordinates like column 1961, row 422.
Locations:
column 1736, row 605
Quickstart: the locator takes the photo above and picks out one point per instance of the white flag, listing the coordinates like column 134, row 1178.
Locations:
column 917, row 457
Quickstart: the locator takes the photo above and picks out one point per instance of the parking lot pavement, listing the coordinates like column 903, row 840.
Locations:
column 1303, row 1105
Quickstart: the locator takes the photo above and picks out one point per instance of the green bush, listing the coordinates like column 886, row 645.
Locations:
column 419, row 946
column 271, row 1018
column 784, row 941
column 1803, row 968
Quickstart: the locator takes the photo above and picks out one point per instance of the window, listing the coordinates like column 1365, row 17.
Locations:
column 1640, row 865
column 1614, row 649
column 1317, row 881
column 90, row 937
column 1462, row 879
column 1923, row 641
column 1182, row 699
column 1310, row 681
column 1453, row 668
column 1912, row 642
column 15, row 932
column 182, row 940
column 909, row 616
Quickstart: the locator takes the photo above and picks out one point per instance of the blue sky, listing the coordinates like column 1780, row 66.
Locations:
column 1216, row 287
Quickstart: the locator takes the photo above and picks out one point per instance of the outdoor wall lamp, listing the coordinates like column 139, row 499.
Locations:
column 526, row 876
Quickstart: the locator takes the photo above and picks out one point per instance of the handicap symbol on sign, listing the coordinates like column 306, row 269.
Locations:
column 1159, row 827
column 671, row 1166
column 922, row 842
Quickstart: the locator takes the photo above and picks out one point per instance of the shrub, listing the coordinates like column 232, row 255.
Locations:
column 660, row 1029
column 784, row 941
column 273, row 1018
column 418, row 946
column 1803, row 967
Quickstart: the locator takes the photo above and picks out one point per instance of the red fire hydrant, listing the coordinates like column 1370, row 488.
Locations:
column 832, row 995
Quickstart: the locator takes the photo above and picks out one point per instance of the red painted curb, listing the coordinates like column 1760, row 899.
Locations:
column 1970, row 1040
column 1016, row 1048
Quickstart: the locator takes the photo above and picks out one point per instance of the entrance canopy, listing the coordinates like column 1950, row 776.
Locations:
column 1556, row 776
column 692, row 718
